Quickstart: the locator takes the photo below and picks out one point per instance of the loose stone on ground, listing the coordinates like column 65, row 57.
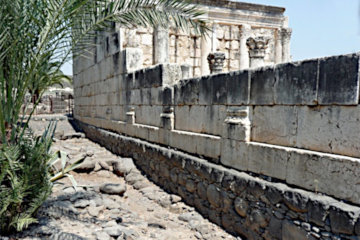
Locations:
column 113, row 200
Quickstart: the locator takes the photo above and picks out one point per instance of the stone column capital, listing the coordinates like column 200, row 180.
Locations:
column 216, row 61
column 286, row 34
column 257, row 45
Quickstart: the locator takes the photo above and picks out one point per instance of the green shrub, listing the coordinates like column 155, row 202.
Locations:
column 25, row 184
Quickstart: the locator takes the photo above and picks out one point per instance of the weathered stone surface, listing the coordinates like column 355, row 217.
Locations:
column 123, row 166
column 267, row 200
column 237, row 88
column 190, row 186
column 111, row 188
column 318, row 126
column 87, row 166
column 102, row 235
column 291, row 231
column 186, row 92
column 241, row 206
column 296, row 201
column 275, row 228
column 317, row 212
column 213, row 195
column 132, row 59
column 67, row 236
column 262, row 86
column 277, row 125
column 339, row 80
column 341, row 221
column 133, row 177
column 202, row 190
column 296, row 83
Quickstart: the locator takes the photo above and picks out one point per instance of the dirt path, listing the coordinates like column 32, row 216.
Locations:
column 114, row 200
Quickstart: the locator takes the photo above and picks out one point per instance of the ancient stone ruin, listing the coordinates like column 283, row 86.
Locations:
column 269, row 152
column 237, row 30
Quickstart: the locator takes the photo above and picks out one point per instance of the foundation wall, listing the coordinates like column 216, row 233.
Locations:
column 294, row 125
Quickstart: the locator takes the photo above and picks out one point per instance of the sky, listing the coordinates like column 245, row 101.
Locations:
column 320, row 27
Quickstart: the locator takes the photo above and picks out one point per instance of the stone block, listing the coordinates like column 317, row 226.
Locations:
column 343, row 218
column 156, row 96
column 276, row 125
column 145, row 96
column 142, row 132
column 205, row 90
column 118, row 113
column 208, row 146
column 237, row 124
column 339, row 80
column 153, row 77
column 296, row 200
column 171, row 73
column 186, row 92
column 184, row 141
column 116, row 62
column 132, row 59
column 268, row 160
column 234, row 154
column 148, row 115
column 200, row 119
column 214, row 195
column 332, row 129
column 314, row 171
column 290, row 232
column 318, row 211
column 135, row 97
column 237, row 84
column 275, row 228
column 167, row 96
column 107, row 68
column 262, row 86
column 100, row 48
column 219, row 88
column 113, row 43
column 296, row 83
column 241, row 206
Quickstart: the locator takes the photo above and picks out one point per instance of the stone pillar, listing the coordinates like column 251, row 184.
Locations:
column 278, row 47
column 244, row 53
column 286, row 36
column 161, row 45
column 130, row 116
column 205, row 51
column 257, row 48
column 216, row 62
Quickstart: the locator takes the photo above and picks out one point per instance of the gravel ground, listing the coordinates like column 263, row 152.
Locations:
column 113, row 200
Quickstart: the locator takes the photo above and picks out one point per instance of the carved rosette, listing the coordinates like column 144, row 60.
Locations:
column 257, row 46
column 216, row 62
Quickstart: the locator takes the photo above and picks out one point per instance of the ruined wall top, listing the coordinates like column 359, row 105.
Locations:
column 242, row 6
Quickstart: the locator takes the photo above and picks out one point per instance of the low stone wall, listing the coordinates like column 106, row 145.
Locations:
column 249, row 206
column 296, row 122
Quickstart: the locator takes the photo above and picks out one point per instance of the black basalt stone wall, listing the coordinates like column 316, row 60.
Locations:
column 244, row 205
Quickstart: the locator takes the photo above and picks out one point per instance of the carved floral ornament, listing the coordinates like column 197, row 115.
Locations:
column 216, row 61
column 257, row 43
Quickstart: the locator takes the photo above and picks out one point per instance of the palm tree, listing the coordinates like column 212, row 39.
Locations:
column 38, row 36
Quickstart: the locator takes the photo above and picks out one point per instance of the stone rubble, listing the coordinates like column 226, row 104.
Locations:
column 115, row 201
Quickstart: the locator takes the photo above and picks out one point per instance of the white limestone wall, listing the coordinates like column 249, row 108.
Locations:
column 296, row 122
